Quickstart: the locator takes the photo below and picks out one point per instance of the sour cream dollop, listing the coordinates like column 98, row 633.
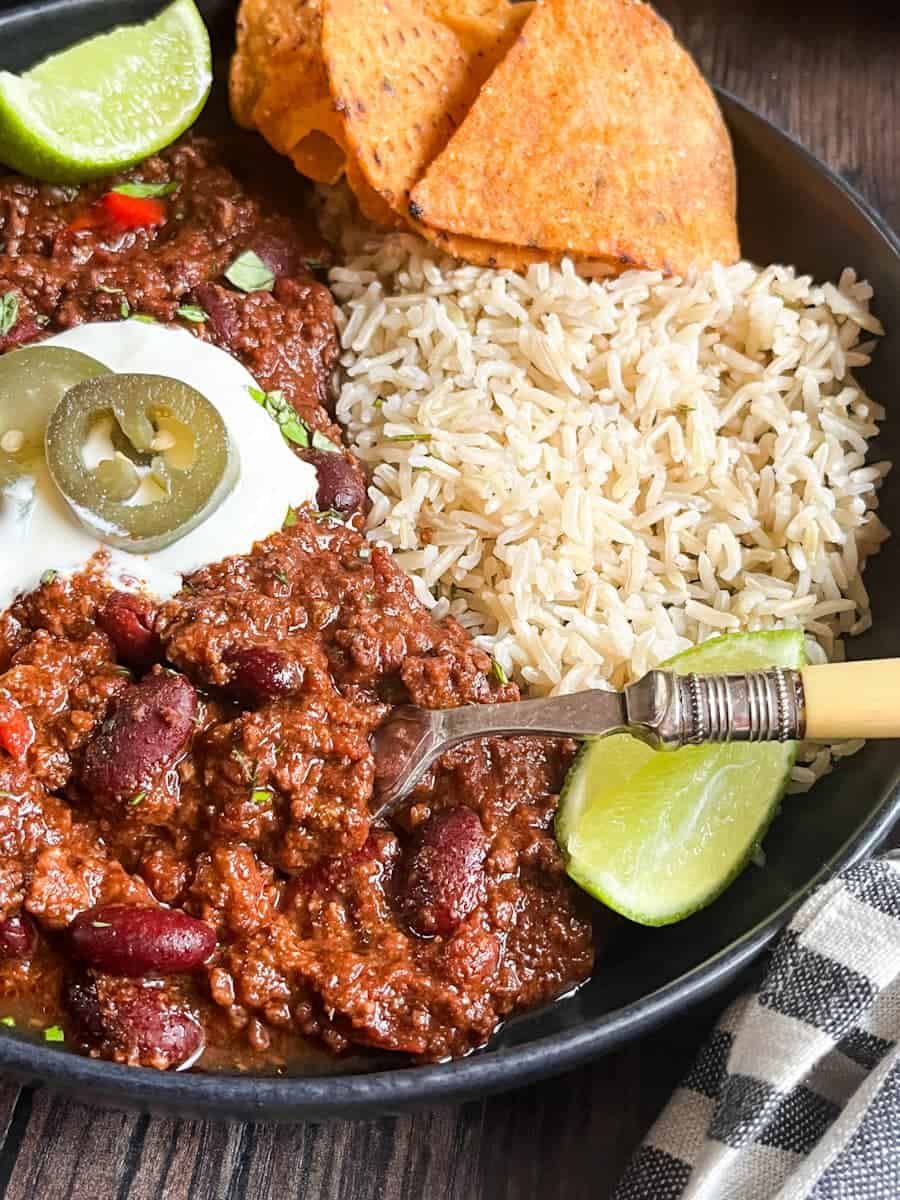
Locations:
column 40, row 533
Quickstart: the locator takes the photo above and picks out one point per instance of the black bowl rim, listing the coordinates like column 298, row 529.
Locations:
column 296, row 1097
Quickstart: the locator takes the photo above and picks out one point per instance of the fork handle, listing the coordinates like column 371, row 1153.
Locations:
column 852, row 700
column 823, row 703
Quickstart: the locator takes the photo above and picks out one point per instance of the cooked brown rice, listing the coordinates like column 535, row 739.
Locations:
column 591, row 476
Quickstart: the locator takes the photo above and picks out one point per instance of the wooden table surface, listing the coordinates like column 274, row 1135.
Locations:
column 827, row 72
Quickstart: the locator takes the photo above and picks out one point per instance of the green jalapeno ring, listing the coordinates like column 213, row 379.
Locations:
column 194, row 463
column 33, row 380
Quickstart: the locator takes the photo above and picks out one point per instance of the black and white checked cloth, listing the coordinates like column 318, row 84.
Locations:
column 796, row 1096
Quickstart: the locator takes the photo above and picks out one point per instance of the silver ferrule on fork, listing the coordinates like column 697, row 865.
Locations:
column 668, row 711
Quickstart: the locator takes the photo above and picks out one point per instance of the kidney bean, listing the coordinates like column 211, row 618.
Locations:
column 127, row 620
column 279, row 255
column 131, row 1022
column 149, row 727
column 126, row 939
column 22, row 332
column 341, row 485
column 443, row 877
column 17, row 937
column 219, row 306
column 259, row 673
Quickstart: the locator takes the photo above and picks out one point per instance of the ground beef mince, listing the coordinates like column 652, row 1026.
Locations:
column 189, row 871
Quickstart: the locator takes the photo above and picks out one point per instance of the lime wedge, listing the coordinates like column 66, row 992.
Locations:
column 656, row 835
column 108, row 102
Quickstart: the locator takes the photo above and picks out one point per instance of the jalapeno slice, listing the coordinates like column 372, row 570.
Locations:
column 98, row 443
column 32, row 383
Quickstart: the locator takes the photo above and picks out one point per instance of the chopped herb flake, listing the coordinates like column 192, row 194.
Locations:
column 279, row 409
column 281, row 577
column 321, row 442
column 110, row 291
column 409, row 437
column 314, row 264
column 137, row 799
column 48, row 577
column 261, row 795
column 124, row 310
column 499, row 674
column 378, row 402
column 123, row 671
column 144, row 190
column 146, row 318
column 329, row 514
column 192, row 312
column 290, row 519
column 53, row 1033
column 9, row 312
column 9, row 1022
column 249, row 273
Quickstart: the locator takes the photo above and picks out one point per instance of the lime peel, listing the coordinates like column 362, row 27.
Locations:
column 657, row 835
column 148, row 84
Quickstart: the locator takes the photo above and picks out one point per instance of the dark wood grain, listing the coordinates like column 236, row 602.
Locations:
column 827, row 73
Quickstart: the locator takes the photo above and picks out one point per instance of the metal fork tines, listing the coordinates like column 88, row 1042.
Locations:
column 663, row 709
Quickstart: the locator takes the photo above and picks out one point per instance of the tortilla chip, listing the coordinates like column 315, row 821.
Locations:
column 596, row 137
column 481, row 23
column 402, row 89
column 269, row 32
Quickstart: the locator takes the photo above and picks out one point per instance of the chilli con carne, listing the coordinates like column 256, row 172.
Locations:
column 189, row 870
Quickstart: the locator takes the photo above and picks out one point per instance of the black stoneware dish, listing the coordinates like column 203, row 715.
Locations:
column 793, row 210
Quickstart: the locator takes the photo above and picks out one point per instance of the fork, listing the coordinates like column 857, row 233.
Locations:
column 665, row 710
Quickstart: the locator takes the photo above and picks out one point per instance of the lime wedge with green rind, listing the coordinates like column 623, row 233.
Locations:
column 657, row 835
column 106, row 103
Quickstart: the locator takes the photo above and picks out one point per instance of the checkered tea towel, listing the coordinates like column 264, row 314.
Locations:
column 796, row 1096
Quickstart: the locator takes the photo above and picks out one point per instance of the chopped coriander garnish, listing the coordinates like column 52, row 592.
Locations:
column 124, row 310
column 144, row 190
column 53, row 1033
column 145, row 317
column 499, row 674
column 261, row 795
column 9, row 312
column 110, row 291
column 48, row 577
column 248, row 273
column 378, row 402
column 409, row 437
column 329, row 514
column 280, row 576
column 192, row 312
column 290, row 519
column 279, row 409
column 321, row 442
column 123, row 671
column 9, row 1022
column 137, row 799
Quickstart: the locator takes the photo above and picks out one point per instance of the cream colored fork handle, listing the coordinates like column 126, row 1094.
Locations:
column 852, row 700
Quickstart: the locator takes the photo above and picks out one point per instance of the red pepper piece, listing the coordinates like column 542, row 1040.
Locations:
column 16, row 730
column 121, row 212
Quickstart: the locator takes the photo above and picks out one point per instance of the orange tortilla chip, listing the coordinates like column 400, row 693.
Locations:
column 480, row 24
column 402, row 80
column 596, row 137
column 269, row 32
